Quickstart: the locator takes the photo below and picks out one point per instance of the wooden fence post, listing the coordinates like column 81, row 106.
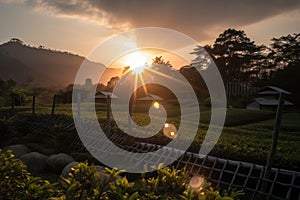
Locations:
column 129, row 117
column 108, row 103
column 53, row 105
column 78, row 108
column 274, row 139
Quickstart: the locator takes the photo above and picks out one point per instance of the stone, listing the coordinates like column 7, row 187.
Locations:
column 18, row 150
column 68, row 169
column 36, row 162
column 57, row 162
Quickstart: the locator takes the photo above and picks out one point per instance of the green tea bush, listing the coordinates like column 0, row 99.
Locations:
column 17, row 183
column 168, row 184
column 85, row 183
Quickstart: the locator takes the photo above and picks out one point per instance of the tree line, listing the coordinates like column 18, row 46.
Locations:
column 238, row 59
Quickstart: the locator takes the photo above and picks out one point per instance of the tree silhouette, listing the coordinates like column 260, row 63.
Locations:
column 233, row 53
column 195, row 79
column 160, row 60
column 112, row 83
column 262, row 65
column 286, row 50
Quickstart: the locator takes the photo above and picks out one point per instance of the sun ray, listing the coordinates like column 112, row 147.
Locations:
column 143, row 83
column 135, row 87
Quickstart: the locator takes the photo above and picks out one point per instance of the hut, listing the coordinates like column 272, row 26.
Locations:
column 101, row 96
column 143, row 103
column 268, row 98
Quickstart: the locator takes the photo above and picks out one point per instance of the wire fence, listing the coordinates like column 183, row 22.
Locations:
column 222, row 173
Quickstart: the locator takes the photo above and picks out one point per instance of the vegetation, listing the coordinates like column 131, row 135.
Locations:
column 17, row 183
column 85, row 183
column 245, row 137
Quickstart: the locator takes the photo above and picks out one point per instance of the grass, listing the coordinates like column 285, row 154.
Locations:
column 290, row 123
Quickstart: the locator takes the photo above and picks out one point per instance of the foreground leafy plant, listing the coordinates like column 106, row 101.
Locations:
column 86, row 183
column 17, row 183
column 177, row 184
column 83, row 183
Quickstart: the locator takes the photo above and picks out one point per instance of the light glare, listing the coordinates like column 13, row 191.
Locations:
column 156, row 105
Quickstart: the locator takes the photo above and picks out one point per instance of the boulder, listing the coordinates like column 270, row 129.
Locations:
column 68, row 169
column 36, row 162
column 105, row 178
column 57, row 162
column 18, row 150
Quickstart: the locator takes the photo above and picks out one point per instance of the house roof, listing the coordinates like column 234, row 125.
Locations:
column 150, row 97
column 272, row 90
column 271, row 102
column 104, row 95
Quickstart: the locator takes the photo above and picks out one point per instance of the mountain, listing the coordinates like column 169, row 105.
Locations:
column 43, row 67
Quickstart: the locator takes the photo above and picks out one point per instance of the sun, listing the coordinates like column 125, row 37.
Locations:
column 137, row 61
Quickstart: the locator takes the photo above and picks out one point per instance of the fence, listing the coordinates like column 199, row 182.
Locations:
column 239, row 89
column 223, row 173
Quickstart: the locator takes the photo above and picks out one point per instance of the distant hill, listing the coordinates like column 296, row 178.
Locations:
column 41, row 66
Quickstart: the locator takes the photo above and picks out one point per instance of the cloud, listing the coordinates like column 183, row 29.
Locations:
column 197, row 18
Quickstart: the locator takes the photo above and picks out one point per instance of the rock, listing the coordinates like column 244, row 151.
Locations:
column 36, row 162
column 105, row 177
column 57, row 162
column 18, row 150
column 67, row 169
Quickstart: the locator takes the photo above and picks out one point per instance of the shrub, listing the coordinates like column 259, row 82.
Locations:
column 17, row 183
column 168, row 184
column 86, row 183
column 177, row 184
column 83, row 183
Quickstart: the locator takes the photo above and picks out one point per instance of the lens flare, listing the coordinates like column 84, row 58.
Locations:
column 196, row 183
column 137, row 61
column 170, row 131
column 156, row 105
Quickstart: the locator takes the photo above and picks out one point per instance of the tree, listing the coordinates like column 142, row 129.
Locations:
column 282, row 60
column 233, row 53
column 160, row 60
column 112, row 83
column 286, row 50
column 262, row 65
column 195, row 79
column 288, row 78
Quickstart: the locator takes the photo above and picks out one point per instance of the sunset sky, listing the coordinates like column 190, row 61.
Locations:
column 78, row 26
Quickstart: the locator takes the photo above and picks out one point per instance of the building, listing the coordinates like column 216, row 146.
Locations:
column 268, row 98
column 101, row 96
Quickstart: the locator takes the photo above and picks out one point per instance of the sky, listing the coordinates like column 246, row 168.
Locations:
column 79, row 26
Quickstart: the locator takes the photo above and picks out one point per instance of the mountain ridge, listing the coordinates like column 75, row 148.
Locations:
column 43, row 67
